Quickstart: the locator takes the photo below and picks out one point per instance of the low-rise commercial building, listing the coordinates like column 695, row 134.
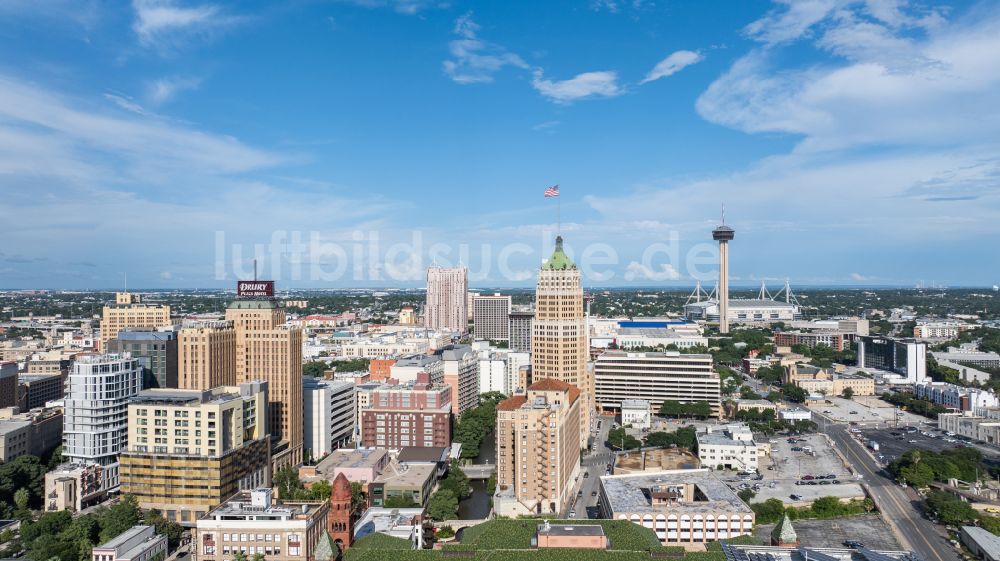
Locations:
column 833, row 339
column 74, row 487
column 730, row 446
column 138, row 543
column 253, row 522
column 977, row 427
column 637, row 413
column 572, row 536
column 403, row 485
column 983, row 544
column 939, row 328
column 825, row 381
column 403, row 523
column 189, row 450
column 755, row 405
column 361, row 465
column 680, row 506
column 956, row 397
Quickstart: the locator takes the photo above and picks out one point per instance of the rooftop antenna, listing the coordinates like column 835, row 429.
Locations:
column 723, row 213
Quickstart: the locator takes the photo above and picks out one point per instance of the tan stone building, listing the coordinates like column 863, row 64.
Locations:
column 128, row 311
column 824, row 381
column 252, row 522
column 189, row 450
column 538, row 452
column 559, row 332
column 206, row 355
column 267, row 349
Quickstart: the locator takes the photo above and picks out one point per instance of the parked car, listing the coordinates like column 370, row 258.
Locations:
column 853, row 544
column 795, row 497
column 807, row 477
column 593, row 493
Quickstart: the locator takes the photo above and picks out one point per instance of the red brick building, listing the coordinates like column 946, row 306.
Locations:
column 380, row 369
column 414, row 414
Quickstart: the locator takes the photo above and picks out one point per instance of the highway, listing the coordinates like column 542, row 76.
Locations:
column 900, row 506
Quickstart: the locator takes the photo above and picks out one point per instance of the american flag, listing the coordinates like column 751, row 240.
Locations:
column 552, row 191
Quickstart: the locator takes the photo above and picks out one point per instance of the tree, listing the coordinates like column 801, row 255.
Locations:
column 239, row 556
column 769, row 511
column 405, row 501
column 119, row 517
column 919, row 475
column 321, row 490
column 456, row 481
column 443, row 505
column 794, row 393
column 950, row 509
column 315, row 368
column 848, row 393
column 164, row 527
column 287, row 482
column 698, row 409
column 358, row 500
column 620, row 439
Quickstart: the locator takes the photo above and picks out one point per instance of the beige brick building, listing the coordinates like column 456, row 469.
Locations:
column 268, row 349
column 206, row 355
column 128, row 311
column 559, row 332
column 538, row 452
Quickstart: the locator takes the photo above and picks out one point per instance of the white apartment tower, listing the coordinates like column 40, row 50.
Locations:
column 447, row 307
column 490, row 314
column 559, row 331
column 95, row 422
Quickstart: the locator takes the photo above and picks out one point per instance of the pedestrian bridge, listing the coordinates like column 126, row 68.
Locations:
column 479, row 471
column 459, row 524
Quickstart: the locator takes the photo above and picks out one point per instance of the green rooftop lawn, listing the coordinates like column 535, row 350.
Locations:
column 502, row 539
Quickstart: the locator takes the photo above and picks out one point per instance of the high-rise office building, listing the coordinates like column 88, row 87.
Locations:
column 905, row 358
column 559, row 332
column 519, row 329
column 129, row 312
column 656, row 377
column 461, row 373
column 446, row 298
column 156, row 350
column 206, row 355
column 330, row 413
column 490, row 315
column 538, row 451
column 8, row 384
column 95, row 414
column 190, row 450
column 269, row 349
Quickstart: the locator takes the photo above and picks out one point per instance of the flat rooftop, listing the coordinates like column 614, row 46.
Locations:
column 631, row 493
column 571, row 530
column 412, row 476
column 354, row 458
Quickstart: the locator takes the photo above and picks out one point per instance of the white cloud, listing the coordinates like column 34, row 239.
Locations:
column 164, row 89
column 474, row 60
column 674, row 63
column 153, row 146
column 408, row 7
column 858, row 277
column 126, row 103
column 581, row 86
column 932, row 86
column 165, row 23
column 638, row 271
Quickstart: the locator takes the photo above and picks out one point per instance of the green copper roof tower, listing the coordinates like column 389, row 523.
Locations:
column 559, row 259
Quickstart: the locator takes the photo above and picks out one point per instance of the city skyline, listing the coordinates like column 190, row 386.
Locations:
column 852, row 142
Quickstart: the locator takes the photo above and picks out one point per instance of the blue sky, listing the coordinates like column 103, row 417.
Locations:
column 852, row 142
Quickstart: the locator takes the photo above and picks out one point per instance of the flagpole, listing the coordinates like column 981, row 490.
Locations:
column 558, row 215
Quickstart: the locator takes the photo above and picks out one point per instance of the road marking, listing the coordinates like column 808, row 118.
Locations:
column 891, row 498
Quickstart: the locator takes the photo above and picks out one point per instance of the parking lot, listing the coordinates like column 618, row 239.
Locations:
column 790, row 466
column 865, row 411
column 894, row 442
column 870, row 530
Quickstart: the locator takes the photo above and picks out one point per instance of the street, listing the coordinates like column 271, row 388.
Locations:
column 594, row 465
column 899, row 506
